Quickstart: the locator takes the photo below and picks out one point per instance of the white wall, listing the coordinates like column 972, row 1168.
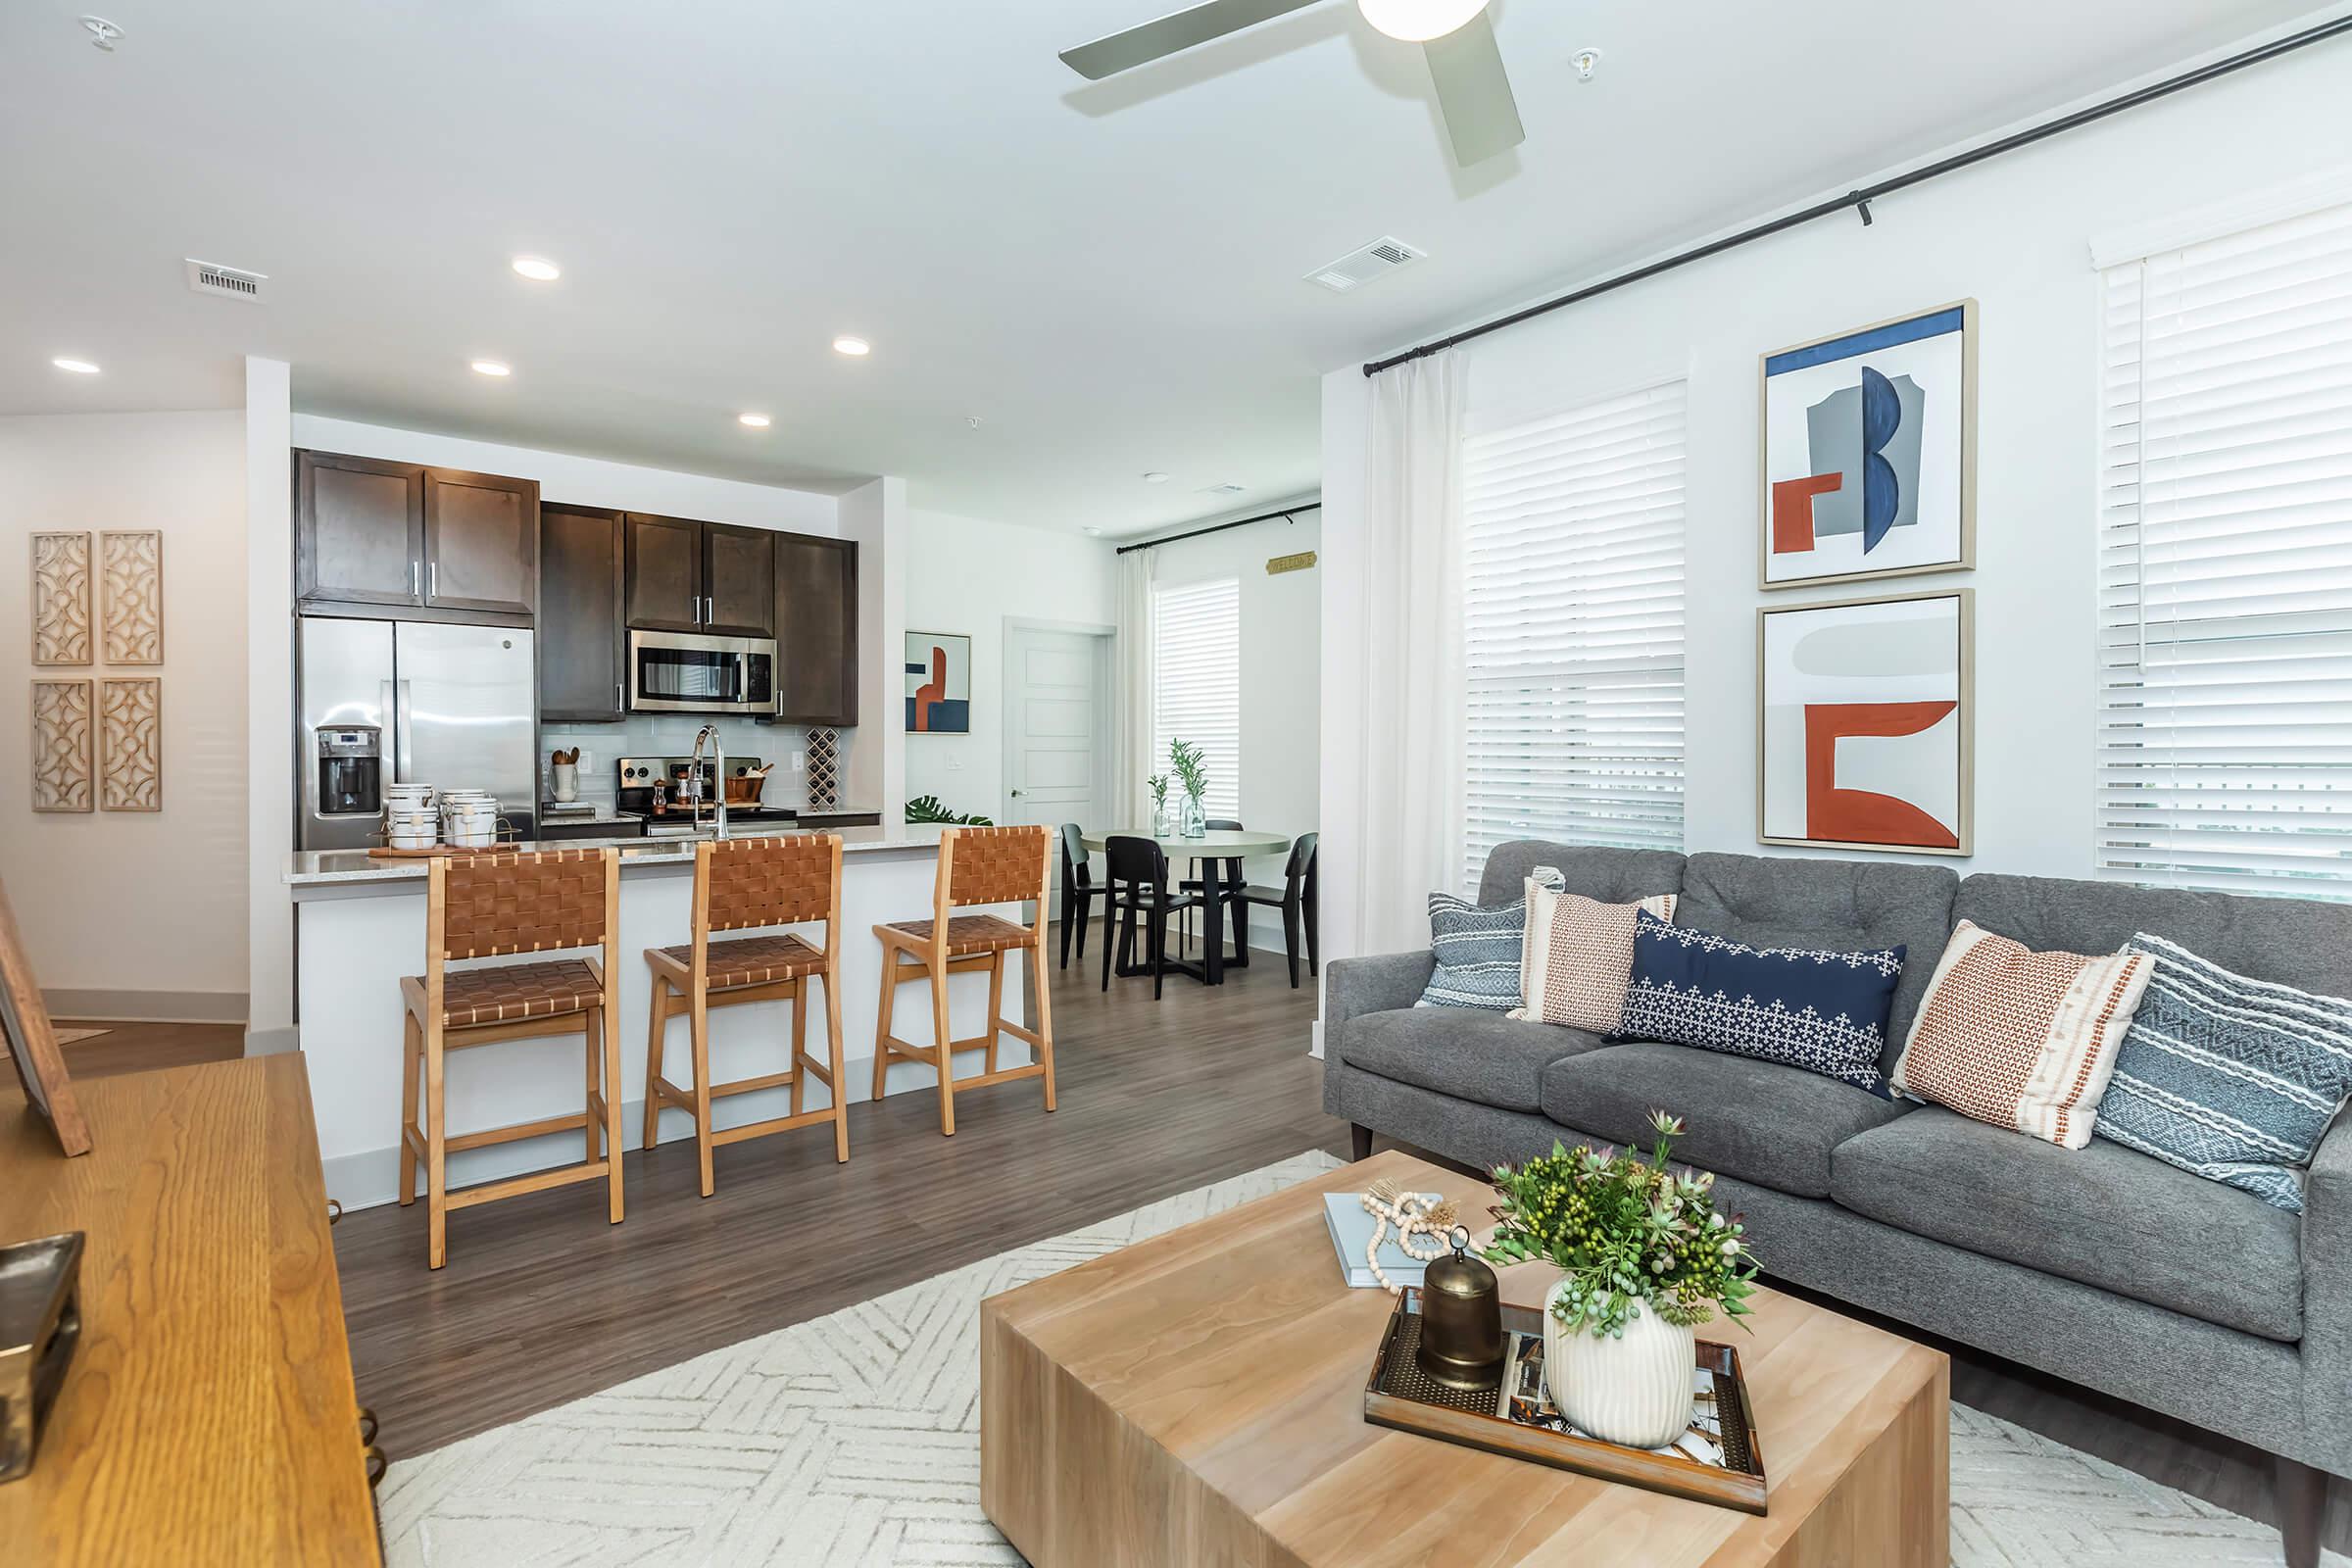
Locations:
column 269, row 647
column 967, row 575
column 1282, row 639
column 583, row 481
column 2012, row 233
column 149, row 907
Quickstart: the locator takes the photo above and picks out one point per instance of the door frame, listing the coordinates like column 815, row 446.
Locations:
column 1008, row 703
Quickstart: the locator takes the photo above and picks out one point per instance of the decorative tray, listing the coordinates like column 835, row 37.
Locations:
column 1718, row 1460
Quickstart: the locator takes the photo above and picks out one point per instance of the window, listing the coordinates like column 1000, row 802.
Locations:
column 2224, row 744
column 1572, row 627
column 1196, row 658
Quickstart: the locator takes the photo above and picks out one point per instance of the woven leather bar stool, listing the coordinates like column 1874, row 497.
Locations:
column 793, row 879
column 976, row 865
column 483, row 905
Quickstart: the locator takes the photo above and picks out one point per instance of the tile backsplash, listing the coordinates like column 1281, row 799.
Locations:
column 672, row 735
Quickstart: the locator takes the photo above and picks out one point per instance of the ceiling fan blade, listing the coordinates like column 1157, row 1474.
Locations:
column 1473, row 94
column 1174, row 34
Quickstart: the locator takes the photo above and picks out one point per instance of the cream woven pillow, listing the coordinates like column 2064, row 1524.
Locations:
column 2022, row 1038
column 1578, row 957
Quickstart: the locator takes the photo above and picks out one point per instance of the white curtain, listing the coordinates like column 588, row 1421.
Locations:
column 1130, row 804
column 1408, row 752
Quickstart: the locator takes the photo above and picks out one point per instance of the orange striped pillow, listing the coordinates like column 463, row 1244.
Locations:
column 2022, row 1038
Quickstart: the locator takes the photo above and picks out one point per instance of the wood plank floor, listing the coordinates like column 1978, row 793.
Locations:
column 542, row 1301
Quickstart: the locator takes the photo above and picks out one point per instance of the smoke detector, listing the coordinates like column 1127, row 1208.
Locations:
column 1362, row 264
column 226, row 282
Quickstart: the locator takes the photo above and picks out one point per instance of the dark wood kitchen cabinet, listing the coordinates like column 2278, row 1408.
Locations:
column 583, row 648
column 816, row 629
column 708, row 578
column 379, row 538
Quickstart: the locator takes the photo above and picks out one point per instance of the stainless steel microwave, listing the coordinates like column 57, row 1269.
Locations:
column 682, row 672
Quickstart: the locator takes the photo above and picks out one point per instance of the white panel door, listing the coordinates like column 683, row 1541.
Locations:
column 1054, row 726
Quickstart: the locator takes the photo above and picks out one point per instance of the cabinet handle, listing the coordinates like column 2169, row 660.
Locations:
column 432, row 577
column 415, row 580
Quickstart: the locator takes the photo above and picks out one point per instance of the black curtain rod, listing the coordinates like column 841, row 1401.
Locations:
column 1860, row 199
column 1220, row 527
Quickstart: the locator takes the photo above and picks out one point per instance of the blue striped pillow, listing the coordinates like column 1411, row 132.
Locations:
column 1478, row 949
column 2234, row 1079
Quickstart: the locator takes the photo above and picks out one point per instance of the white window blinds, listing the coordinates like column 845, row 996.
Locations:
column 1197, row 637
column 2224, row 748
column 1572, row 627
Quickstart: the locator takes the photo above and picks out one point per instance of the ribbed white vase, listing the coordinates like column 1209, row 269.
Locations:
column 1634, row 1389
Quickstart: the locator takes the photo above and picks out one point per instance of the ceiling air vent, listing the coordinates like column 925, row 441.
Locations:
column 1227, row 489
column 1360, row 266
column 228, row 283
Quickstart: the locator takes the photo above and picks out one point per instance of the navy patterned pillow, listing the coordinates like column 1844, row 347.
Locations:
column 2234, row 1079
column 1477, row 948
column 1822, row 1011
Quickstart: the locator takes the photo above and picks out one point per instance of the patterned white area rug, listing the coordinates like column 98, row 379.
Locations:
column 854, row 1440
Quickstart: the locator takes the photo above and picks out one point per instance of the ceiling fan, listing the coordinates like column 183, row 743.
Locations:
column 1482, row 118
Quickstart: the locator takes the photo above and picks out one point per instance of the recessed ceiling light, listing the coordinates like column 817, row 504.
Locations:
column 1155, row 478
column 491, row 368
column 77, row 367
column 1419, row 21
column 852, row 346
column 758, row 422
column 538, row 269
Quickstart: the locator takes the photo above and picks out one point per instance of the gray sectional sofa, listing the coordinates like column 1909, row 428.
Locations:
column 2102, row 1266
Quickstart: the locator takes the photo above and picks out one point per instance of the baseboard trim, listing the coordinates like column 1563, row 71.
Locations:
column 147, row 1007
column 272, row 1042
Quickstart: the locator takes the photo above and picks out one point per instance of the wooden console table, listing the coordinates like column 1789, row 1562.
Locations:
column 209, row 1417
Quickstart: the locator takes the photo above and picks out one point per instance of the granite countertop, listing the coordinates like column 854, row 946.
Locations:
column 313, row 868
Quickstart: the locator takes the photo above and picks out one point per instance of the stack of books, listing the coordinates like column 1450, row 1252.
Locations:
column 1351, row 1233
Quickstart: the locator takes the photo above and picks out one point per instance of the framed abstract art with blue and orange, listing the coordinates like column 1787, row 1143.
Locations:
column 1865, row 723
column 938, row 683
column 1870, row 452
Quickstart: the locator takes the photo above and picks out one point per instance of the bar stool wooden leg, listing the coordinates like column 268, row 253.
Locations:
column 608, row 1030
column 699, row 1014
column 436, row 1151
column 840, row 1111
column 411, row 1064
column 995, row 1006
column 946, row 1051
column 882, row 1011
column 592, row 1122
column 799, row 1044
column 1045, row 1018
column 654, row 1032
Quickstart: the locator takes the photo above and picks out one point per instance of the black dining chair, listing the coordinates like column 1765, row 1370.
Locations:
column 1297, row 899
column 1137, row 882
column 1078, row 891
column 1229, row 887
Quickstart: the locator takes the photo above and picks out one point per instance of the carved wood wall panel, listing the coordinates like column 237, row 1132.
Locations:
column 61, row 598
column 61, row 746
column 130, row 744
column 130, row 571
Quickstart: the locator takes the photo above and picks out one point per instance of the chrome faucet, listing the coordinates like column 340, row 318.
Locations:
column 693, row 777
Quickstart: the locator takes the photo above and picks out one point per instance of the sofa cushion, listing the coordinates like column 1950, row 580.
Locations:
column 2102, row 1215
column 1579, row 957
column 1478, row 947
column 1755, row 1120
column 1612, row 876
column 1483, row 1057
column 1789, row 902
column 2288, row 942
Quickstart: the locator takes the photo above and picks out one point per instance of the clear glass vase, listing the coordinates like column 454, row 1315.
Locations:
column 1195, row 821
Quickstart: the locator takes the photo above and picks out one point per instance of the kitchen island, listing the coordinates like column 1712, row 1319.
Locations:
column 359, row 927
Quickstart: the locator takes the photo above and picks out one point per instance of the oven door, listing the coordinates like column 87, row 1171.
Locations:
column 674, row 673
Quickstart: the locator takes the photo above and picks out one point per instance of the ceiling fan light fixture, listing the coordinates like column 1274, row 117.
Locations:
column 1419, row 21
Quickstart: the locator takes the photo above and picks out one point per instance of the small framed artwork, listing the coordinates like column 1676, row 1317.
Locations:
column 938, row 683
column 1865, row 723
column 1869, row 452
column 33, row 1041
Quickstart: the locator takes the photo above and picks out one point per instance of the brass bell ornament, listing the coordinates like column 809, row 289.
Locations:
column 1461, row 1344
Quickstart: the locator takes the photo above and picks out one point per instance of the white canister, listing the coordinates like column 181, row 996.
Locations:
column 1632, row 1389
column 566, row 782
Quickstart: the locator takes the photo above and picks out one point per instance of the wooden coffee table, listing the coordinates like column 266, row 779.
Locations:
column 1198, row 1398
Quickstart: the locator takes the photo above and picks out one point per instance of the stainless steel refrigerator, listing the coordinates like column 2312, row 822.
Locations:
column 453, row 704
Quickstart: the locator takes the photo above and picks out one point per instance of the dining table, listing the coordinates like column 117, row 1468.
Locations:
column 1210, row 851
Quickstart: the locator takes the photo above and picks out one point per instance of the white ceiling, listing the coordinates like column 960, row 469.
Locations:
column 1107, row 276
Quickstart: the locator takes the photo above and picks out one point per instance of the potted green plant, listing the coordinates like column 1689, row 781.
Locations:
column 1191, row 767
column 1644, row 1258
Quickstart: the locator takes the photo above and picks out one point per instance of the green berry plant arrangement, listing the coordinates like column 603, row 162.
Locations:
column 1625, row 1232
